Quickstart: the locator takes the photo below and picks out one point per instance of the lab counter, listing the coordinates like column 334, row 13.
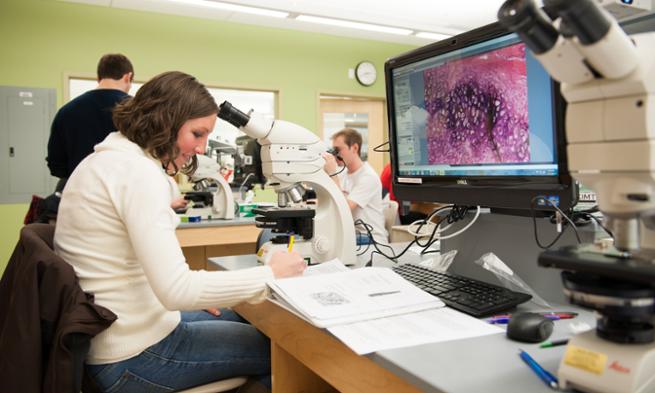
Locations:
column 301, row 352
column 218, row 223
column 212, row 238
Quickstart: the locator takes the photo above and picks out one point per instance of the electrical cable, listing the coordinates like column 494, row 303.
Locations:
column 566, row 217
column 588, row 215
column 245, row 181
column 457, row 213
column 427, row 251
column 338, row 172
column 534, row 223
column 359, row 247
column 378, row 148
column 475, row 218
column 431, row 240
column 426, row 221
column 600, row 224
column 375, row 244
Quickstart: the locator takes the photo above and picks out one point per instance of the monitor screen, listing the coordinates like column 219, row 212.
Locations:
column 476, row 120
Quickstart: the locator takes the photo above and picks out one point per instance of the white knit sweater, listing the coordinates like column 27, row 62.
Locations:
column 116, row 227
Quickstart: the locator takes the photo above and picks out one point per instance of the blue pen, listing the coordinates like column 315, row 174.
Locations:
column 504, row 319
column 548, row 378
column 498, row 320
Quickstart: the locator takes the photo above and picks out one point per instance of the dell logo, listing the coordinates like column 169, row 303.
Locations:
column 462, row 181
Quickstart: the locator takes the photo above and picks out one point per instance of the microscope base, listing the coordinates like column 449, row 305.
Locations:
column 594, row 365
column 303, row 247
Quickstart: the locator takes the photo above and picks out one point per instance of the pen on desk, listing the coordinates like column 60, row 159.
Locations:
column 560, row 315
column 498, row 320
column 291, row 238
column 502, row 319
column 382, row 293
column 554, row 343
column 548, row 378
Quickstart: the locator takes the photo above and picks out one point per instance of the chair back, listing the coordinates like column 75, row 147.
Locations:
column 46, row 320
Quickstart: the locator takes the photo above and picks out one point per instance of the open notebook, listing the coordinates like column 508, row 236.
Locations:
column 330, row 294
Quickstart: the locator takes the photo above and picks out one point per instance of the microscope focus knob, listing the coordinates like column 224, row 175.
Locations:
column 321, row 245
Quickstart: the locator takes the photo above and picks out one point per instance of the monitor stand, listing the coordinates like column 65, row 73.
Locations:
column 511, row 238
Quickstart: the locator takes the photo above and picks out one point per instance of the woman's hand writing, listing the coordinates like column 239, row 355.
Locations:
column 287, row 264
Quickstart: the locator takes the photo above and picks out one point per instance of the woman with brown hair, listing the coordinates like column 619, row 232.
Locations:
column 117, row 229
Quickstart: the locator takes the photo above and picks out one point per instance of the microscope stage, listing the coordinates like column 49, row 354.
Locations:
column 581, row 259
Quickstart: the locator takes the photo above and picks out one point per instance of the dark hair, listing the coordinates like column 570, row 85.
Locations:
column 154, row 116
column 350, row 137
column 114, row 66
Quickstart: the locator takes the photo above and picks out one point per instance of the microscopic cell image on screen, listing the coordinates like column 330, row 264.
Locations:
column 478, row 109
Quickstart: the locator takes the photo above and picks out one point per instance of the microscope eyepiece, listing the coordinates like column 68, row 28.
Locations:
column 530, row 23
column 232, row 115
column 335, row 152
column 583, row 17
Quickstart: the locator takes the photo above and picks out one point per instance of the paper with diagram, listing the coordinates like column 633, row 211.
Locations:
column 343, row 297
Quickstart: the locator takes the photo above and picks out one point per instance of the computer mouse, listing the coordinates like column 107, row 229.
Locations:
column 529, row 327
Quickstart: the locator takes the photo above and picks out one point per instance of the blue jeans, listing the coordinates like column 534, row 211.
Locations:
column 202, row 349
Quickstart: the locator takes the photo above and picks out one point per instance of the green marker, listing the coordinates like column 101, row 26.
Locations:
column 554, row 343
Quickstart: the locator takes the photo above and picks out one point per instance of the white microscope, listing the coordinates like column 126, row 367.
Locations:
column 608, row 81
column 218, row 204
column 292, row 156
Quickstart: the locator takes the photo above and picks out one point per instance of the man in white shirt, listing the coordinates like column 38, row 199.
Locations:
column 359, row 183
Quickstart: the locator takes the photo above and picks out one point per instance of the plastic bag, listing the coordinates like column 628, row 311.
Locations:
column 440, row 262
column 495, row 265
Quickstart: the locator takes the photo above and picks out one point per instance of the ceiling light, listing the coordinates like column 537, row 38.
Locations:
column 432, row 36
column 353, row 25
column 234, row 7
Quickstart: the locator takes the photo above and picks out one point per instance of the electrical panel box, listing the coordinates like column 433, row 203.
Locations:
column 26, row 114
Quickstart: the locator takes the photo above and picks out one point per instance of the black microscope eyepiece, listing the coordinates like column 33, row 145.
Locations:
column 232, row 115
column 530, row 23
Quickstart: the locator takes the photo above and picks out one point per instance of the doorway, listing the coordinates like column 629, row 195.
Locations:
column 366, row 115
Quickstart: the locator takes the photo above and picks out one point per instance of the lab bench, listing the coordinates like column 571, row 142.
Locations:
column 309, row 359
column 214, row 238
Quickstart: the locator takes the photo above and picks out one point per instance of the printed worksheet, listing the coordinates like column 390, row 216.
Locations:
column 429, row 326
column 353, row 295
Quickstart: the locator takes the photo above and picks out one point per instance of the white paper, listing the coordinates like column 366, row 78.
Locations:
column 354, row 295
column 436, row 325
column 331, row 266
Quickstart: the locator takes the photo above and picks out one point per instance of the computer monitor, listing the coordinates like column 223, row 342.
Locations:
column 476, row 120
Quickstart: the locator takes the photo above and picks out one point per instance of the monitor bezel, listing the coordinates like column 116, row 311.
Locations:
column 501, row 192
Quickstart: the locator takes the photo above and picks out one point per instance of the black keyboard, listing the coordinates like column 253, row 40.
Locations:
column 473, row 297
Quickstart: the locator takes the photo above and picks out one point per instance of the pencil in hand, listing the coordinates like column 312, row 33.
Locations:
column 291, row 239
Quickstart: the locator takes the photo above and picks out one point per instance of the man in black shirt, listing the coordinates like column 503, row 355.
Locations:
column 86, row 121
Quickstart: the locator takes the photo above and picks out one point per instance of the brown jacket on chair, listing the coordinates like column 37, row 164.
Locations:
column 46, row 320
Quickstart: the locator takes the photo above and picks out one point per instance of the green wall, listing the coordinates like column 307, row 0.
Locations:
column 43, row 40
